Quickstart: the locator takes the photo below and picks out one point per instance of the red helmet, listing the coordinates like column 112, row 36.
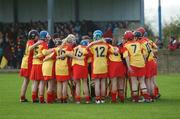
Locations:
column 141, row 29
column 128, row 35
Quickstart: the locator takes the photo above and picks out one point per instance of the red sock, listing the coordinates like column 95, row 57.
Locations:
column 78, row 98
column 65, row 99
column 22, row 98
column 49, row 97
column 41, row 99
column 34, row 96
column 135, row 98
column 146, row 95
column 87, row 98
column 121, row 98
column 98, row 97
column 54, row 96
column 113, row 96
column 156, row 91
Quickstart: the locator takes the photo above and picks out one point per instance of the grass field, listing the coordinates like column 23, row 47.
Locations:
column 168, row 107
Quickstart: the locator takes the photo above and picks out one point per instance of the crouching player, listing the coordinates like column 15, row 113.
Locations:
column 36, row 72
column 133, row 53
column 99, row 52
column 26, row 64
column 80, row 70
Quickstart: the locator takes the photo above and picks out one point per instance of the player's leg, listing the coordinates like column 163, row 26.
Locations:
column 148, row 84
column 41, row 91
column 77, row 90
column 24, row 89
column 121, row 86
column 54, row 90
column 35, row 84
column 59, row 91
column 64, row 92
column 113, row 89
column 103, row 90
column 86, row 90
column 50, row 91
column 143, row 89
column 97, row 90
column 155, row 88
column 134, row 87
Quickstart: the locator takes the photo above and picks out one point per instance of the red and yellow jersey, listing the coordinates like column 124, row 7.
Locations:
column 115, row 57
column 28, row 55
column 48, row 65
column 148, row 46
column 134, row 50
column 62, row 65
column 99, row 54
column 81, row 52
column 38, row 52
column 153, row 46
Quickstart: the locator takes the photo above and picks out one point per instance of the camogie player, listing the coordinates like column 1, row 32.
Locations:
column 26, row 64
column 63, row 67
column 99, row 50
column 133, row 53
column 151, row 64
column 116, row 71
column 80, row 70
column 48, row 70
column 36, row 72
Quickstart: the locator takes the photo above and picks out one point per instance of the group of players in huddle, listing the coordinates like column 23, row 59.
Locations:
column 112, row 62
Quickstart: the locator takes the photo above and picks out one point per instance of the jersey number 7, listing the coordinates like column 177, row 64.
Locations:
column 134, row 48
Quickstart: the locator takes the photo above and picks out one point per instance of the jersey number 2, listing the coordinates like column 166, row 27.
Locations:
column 100, row 51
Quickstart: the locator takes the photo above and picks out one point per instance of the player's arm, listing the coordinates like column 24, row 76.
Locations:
column 95, row 42
column 126, row 57
column 40, row 54
column 112, row 50
column 36, row 44
column 48, row 51
column 70, row 54
column 128, row 64
column 61, row 56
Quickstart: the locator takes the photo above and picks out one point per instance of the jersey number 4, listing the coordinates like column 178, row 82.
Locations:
column 100, row 51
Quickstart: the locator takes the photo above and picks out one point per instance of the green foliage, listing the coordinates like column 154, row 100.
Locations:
column 171, row 29
column 168, row 107
column 149, row 31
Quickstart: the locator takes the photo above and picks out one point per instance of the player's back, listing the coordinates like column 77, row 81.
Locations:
column 81, row 52
column 135, row 53
column 99, row 53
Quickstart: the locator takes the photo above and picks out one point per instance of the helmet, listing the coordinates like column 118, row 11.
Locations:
column 32, row 34
column 137, row 34
column 44, row 35
column 128, row 35
column 97, row 34
column 108, row 40
column 142, row 30
column 84, row 42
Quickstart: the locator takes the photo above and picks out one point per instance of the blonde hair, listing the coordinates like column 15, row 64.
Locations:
column 69, row 39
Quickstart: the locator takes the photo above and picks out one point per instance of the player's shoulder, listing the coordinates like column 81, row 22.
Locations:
column 127, row 43
column 30, row 42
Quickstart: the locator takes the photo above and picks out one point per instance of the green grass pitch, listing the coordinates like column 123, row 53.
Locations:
column 168, row 107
